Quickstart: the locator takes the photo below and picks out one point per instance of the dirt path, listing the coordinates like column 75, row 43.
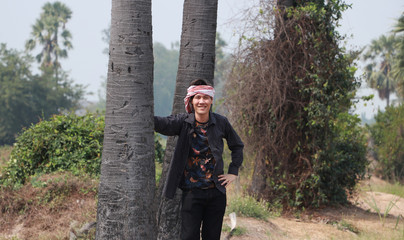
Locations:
column 359, row 220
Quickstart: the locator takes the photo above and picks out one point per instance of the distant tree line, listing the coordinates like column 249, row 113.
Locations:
column 384, row 57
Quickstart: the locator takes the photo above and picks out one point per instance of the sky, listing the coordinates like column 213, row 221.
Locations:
column 87, row 64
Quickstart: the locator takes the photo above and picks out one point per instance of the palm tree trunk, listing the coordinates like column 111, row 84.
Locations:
column 388, row 91
column 127, row 182
column 197, row 60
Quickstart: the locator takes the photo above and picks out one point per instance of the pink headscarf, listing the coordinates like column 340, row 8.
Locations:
column 195, row 89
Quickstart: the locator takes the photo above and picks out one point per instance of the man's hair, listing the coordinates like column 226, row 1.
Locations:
column 198, row 82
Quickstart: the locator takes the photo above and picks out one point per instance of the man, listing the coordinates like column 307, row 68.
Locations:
column 197, row 164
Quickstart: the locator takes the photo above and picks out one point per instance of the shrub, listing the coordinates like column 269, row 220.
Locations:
column 65, row 142
column 343, row 162
column 388, row 135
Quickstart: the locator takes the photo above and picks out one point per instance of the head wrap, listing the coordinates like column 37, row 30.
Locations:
column 197, row 89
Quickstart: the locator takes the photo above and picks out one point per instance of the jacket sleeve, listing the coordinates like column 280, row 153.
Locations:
column 236, row 147
column 169, row 126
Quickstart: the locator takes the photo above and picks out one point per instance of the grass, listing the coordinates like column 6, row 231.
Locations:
column 343, row 225
column 383, row 187
column 248, row 206
column 382, row 215
column 396, row 189
column 237, row 231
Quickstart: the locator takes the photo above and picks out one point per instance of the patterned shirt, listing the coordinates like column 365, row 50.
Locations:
column 201, row 163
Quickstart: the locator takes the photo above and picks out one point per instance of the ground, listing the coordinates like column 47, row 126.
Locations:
column 52, row 216
column 370, row 215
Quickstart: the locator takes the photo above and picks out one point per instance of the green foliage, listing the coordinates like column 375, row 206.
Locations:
column 343, row 162
column 388, row 135
column 15, row 98
column 248, row 206
column 26, row 97
column 63, row 143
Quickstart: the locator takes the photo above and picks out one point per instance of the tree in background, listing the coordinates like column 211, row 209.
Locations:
column 398, row 68
column 50, row 33
column 165, row 72
column 25, row 98
column 387, row 132
column 388, row 136
column 197, row 60
column 127, row 181
column 222, row 65
column 289, row 93
column 381, row 55
column 16, row 110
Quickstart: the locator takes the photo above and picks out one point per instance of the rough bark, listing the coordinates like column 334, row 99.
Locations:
column 127, row 182
column 197, row 60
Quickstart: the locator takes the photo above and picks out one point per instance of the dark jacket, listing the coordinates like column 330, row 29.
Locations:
column 183, row 126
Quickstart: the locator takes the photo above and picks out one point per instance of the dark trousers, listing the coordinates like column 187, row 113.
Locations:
column 202, row 206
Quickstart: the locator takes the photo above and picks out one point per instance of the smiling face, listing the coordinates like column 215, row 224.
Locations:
column 201, row 104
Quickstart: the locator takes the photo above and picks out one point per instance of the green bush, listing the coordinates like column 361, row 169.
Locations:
column 343, row 161
column 65, row 142
column 388, row 136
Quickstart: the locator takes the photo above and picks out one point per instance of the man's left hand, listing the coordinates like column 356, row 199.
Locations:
column 227, row 179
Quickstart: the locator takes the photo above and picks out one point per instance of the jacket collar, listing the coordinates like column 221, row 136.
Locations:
column 191, row 118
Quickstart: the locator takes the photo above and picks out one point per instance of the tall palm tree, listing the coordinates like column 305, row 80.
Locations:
column 381, row 55
column 197, row 60
column 49, row 31
column 398, row 68
column 127, row 182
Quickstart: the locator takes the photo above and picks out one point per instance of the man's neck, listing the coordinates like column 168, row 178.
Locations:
column 202, row 118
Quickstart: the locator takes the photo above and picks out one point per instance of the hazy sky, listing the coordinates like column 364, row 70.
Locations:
column 367, row 20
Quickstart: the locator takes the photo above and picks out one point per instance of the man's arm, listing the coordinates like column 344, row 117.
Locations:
column 168, row 126
column 236, row 147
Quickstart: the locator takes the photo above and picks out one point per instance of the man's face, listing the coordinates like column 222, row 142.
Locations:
column 201, row 104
